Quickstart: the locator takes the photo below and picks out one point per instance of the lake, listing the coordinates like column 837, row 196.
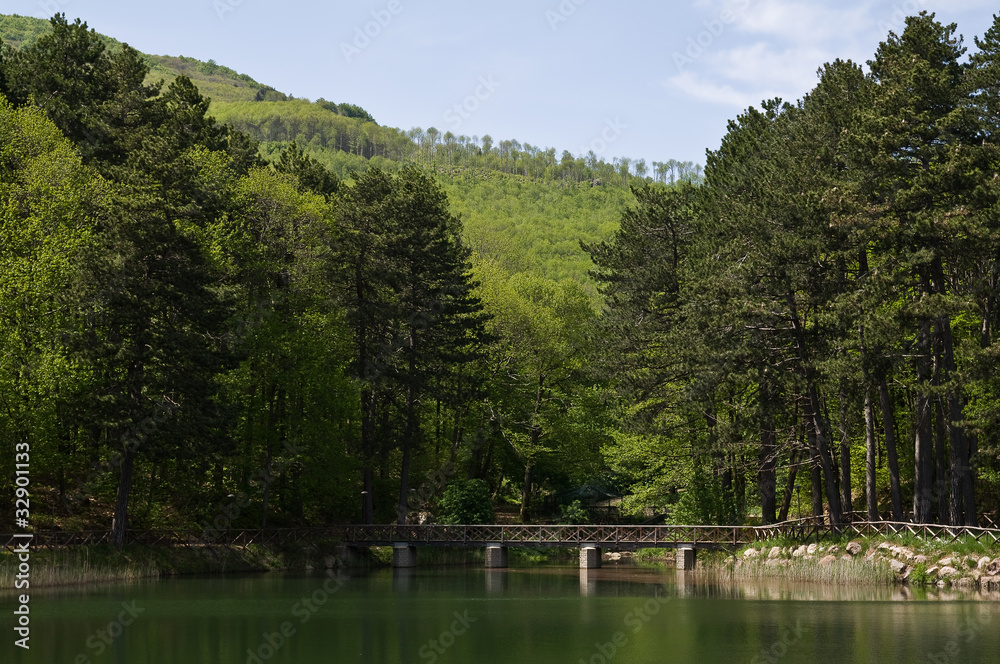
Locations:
column 536, row 615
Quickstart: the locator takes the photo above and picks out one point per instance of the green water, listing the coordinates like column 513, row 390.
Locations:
column 524, row 616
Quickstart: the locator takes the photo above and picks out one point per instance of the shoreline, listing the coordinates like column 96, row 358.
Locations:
column 903, row 561
column 963, row 564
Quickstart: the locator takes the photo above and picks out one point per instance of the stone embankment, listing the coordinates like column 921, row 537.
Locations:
column 941, row 568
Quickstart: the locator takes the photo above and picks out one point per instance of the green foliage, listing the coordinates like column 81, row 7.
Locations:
column 379, row 305
column 573, row 513
column 466, row 502
column 919, row 576
column 702, row 502
column 309, row 172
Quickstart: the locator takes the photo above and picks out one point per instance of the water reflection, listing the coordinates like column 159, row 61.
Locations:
column 538, row 615
column 588, row 582
column 403, row 579
column 496, row 581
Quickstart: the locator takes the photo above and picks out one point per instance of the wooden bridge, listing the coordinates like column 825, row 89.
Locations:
column 497, row 539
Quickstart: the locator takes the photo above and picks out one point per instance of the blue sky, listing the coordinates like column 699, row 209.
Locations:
column 652, row 80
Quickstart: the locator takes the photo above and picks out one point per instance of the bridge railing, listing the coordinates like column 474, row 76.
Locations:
column 522, row 535
column 548, row 534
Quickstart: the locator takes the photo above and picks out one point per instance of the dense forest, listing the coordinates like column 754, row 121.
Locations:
column 263, row 311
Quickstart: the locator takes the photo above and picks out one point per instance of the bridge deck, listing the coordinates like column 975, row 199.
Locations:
column 607, row 537
column 610, row 537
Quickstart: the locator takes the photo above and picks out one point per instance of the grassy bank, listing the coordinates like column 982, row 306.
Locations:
column 905, row 559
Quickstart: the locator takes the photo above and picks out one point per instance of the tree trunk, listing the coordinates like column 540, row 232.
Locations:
column 940, row 500
column 871, row 455
column 815, row 469
column 965, row 500
column 871, row 441
column 923, row 445
column 267, row 488
column 892, row 457
column 819, row 424
column 367, row 495
column 786, row 501
column 119, row 525
column 768, row 475
column 409, row 433
column 526, row 492
column 962, row 485
column 846, row 499
column 820, row 429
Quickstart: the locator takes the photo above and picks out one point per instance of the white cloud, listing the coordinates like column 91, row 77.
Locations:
column 806, row 23
column 792, row 69
column 773, row 48
column 704, row 90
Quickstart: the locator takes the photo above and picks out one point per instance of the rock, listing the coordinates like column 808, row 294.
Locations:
column 993, row 568
column 773, row 562
column 990, row 582
column 751, row 553
column 871, row 553
column 854, row 548
column 932, row 571
column 897, row 567
column 904, row 553
column 808, row 557
column 799, row 552
column 942, row 583
column 947, row 572
column 846, row 557
column 920, row 560
column 811, row 549
column 833, row 550
column 775, row 552
column 965, row 582
column 827, row 560
column 947, row 562
column 884, row 545
column 614, row 556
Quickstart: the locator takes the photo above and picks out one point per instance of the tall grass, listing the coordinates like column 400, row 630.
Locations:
column 75, row 567
column 844, row 572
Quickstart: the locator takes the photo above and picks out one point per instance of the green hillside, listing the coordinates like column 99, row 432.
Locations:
column 525, row 207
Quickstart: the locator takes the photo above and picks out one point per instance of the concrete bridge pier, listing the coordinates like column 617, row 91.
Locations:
column 685, row 558
column 590, row 556
column 496, row 556
column 404, row 555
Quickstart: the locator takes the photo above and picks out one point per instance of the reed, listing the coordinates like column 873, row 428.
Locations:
column 842, row 572
column 76, row 567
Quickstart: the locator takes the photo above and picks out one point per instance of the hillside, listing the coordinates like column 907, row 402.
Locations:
column 524, row 206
